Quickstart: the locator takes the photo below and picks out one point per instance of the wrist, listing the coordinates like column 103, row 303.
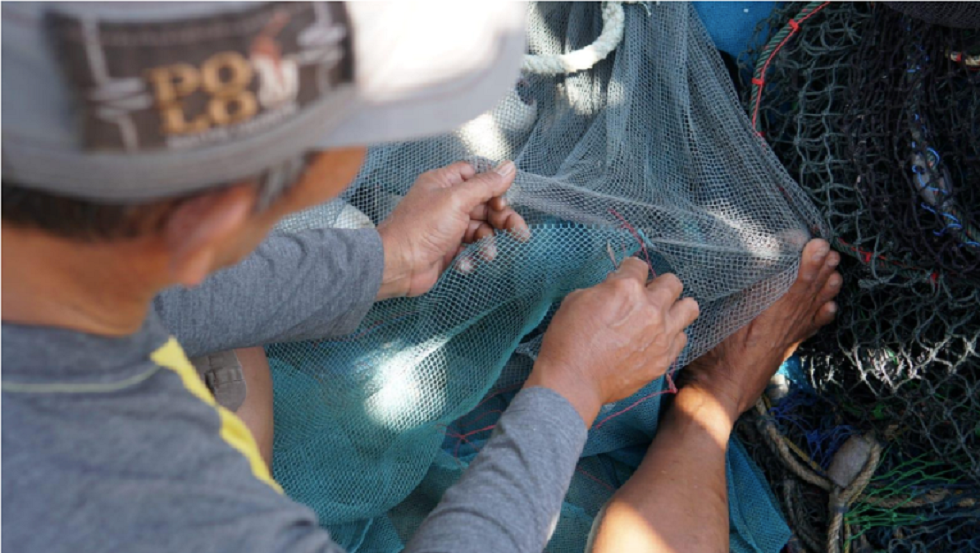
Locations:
column 395, row 276
column 708, row 411
column 582, row 398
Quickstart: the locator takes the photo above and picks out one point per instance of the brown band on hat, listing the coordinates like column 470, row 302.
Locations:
column 198, row 82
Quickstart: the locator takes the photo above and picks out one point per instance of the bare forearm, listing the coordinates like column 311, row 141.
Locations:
column 677, row 499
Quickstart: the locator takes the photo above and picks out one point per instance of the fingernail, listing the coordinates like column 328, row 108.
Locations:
column 832, row 308
column 505, row 169
column 832, row 262
column 523, row 233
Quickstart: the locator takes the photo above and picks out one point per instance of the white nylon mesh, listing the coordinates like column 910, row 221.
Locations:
column 651, row 145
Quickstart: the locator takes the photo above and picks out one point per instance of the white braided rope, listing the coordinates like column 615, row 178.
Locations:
column 613, row 19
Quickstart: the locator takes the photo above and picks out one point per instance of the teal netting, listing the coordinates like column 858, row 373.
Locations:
column 646, row 153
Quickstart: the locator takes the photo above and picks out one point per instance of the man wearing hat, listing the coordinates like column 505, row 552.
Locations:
column 153, row 145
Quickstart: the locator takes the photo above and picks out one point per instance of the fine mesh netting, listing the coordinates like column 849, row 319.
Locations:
column 876, row 113
column 960, row 15
column 647, row 153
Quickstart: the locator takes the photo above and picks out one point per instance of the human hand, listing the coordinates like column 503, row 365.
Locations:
column 444, row 210
column 608, row 341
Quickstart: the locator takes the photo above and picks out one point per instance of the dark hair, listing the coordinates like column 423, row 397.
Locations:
column 89, row 221
column 82, row 220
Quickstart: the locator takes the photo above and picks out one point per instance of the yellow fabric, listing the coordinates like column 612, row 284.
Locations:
column 233, row 430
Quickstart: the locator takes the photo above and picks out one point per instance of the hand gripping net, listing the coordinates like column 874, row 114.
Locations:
column 647, row 152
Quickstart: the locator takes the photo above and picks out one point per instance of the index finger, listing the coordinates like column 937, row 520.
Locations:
column 683, row 314
column 631, row 267
column 508, row 219
column 456, row 173
column 665, row 289
column 483, row 186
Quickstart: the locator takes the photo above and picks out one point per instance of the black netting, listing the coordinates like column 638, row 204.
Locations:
column 877, row 115
column 961, row 15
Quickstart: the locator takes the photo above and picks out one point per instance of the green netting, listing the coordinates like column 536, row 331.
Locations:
column 877, row 114
column 648, row 152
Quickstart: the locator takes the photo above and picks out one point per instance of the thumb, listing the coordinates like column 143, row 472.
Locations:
column 489, row 184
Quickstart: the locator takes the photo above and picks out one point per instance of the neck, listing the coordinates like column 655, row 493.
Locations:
column 100, row 288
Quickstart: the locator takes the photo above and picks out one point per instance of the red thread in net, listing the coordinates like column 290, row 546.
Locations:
column 794, row 28
column 632, row 230
column 594, row 479
column 671, row 389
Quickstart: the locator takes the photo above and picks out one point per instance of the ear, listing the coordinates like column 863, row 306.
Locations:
column 198, row 230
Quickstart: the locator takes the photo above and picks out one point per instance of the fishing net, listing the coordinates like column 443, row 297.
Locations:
column 876, row 113
column 961, row 15
column 908, row 504
column 647, row 152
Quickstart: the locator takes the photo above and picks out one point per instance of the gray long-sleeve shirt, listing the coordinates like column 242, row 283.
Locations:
column 113, row 444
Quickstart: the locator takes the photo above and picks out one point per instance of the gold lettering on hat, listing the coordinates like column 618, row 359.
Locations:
column 228, row 111
column 175, row 122
column 173, row 82
column 224, row 77
column 226, row 74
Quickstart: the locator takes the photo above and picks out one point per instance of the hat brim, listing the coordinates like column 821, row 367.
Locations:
column 420, row 69
column 425, row 68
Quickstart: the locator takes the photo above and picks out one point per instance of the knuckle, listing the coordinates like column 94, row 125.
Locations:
column 670, row 279
column 482, row 179
column 634, row 262
column 457, row 201
column 627, row 286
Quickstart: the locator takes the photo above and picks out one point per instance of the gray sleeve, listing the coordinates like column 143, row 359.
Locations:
column 510, row 497
column 312, row 284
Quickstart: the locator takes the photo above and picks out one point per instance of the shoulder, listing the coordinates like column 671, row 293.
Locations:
column 140, row 468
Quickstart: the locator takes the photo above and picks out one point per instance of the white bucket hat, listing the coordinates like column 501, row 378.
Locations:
column 130, row 102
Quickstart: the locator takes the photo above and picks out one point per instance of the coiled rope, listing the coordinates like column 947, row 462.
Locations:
column 859, row 490
column 613, row 22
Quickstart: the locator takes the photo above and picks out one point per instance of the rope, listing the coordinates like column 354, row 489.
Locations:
column 800, row 518
column 907, row 502
column 769, row 52
column 780, row 444
column 842, row 498
column 613, row 22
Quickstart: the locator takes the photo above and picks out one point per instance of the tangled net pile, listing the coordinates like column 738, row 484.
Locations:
column 876, row 113
column 647, row 152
